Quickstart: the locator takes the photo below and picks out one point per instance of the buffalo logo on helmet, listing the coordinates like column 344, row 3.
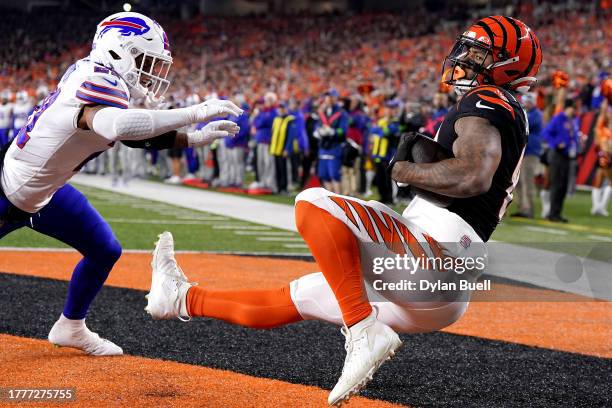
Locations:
column 127, row 26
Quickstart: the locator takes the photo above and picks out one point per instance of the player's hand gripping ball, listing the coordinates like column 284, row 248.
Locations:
column 418, row 148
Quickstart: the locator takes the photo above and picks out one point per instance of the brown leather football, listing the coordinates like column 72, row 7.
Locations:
column 427, row 150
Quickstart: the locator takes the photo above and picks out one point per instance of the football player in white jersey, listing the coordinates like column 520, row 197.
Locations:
column 6, row 116
column 83, row 117
column 21, row 110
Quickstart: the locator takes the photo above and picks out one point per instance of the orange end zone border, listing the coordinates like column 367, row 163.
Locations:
column 129, row 381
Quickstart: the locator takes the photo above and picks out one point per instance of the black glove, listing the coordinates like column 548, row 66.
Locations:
column 404, row 149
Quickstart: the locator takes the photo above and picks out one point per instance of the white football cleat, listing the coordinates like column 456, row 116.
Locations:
column 169, row 285
column 369, row 343
column 73, row 333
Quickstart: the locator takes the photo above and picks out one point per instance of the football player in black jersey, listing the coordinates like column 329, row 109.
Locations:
column 356, row 243
column 487, row 129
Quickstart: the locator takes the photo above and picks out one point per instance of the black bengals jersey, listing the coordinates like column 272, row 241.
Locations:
column 483, row 212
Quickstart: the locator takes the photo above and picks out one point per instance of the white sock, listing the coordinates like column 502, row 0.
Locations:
column 605, row 198
column 75, row 324
column 596, row 194
column 545, row 196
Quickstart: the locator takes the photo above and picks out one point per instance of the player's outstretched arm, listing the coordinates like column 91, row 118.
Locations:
column 139, row 124
column 175, row 139
column 477, row 153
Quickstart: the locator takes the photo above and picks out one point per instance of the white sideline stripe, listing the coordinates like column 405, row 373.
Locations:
column 280, row 239
column 295, row 245
column 156, row 222
column 600, row 238
column 242, row 227
column 269, row 233
column 244, row 208
column 546, row 230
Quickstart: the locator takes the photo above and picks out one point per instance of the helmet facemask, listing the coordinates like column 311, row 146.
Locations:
column 464, row 68
column 149, row 73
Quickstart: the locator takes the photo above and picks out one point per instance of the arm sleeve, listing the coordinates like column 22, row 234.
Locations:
column 161, row 142
column 138, row 124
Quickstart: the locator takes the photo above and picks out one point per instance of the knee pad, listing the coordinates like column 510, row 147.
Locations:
column 314, row 299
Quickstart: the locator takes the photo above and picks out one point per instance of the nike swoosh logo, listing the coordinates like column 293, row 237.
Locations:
column 481, row 106
column 115, row 82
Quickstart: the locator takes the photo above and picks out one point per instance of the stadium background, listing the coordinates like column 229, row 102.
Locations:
column 389, row 54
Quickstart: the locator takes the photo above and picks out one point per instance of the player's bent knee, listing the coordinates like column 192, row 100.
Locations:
column 312, row 194
column 314, row 299
column 114, row 250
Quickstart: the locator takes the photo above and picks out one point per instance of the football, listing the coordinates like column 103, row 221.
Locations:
column 427, row 150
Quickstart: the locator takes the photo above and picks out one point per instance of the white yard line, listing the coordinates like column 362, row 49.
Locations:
column 264, row 233
column 279, row 239
column 600, row 238
column 156, row 222
column 295, row 246
column 242, row 227
column 546, row 230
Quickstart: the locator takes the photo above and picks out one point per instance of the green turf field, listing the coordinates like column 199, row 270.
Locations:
column 136, row 223
column 583, row 227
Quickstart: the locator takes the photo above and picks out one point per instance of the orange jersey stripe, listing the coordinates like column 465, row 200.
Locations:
column 499, row 102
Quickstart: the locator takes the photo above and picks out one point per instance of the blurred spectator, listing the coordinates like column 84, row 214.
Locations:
column 21, row 110
column 385, row 136
column 603, row 132
column 525, row 189
column 357, row 128
column 262, row 119
column 235, row 149
column 298, row 144
column 6, row 117
column 331, row 132
column 561, row 135
column 284, row 133
column 311, row 153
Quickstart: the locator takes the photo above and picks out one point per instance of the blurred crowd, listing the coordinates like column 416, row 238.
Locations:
column 329, row 96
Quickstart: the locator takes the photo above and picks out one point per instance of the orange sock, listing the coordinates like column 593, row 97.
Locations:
column 335, row 249
column 261, row 309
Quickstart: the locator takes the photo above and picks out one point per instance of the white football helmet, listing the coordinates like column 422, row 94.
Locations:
column 22, row 96
column 137, row 49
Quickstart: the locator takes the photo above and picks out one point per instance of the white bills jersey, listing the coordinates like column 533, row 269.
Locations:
column 21, row 111
column 6, row 116
column 50, row 148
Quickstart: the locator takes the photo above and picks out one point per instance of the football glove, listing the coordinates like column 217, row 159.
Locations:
column 211, row 132
column 212, row 109
column 404, row 149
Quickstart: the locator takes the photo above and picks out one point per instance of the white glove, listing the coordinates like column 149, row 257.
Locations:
column 211, row 132
column 213, row 108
